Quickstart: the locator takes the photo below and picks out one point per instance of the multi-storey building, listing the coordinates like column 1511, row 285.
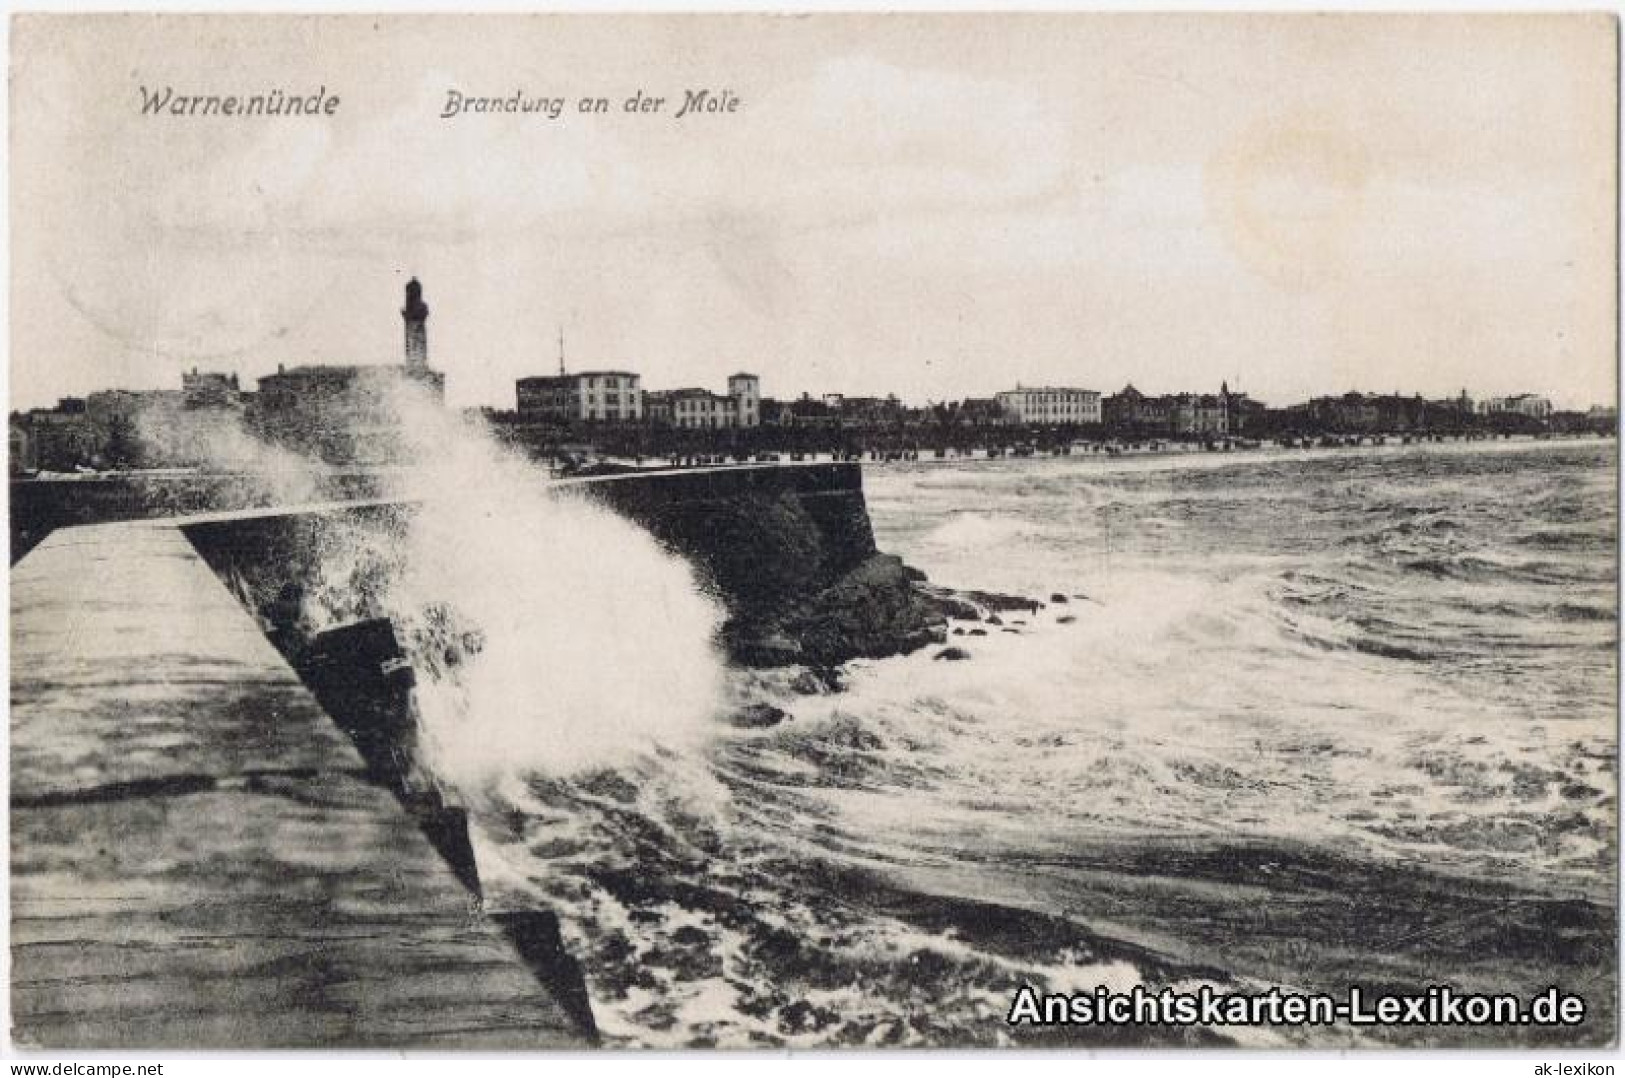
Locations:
column 701, row 408
column 741, row 406
column 1133, row 411
column 657, row 407
column 1201, row 413
column 1051, row 405
column 1379, row 412
column 1197, row 414
column 1530, row 405
column 1351, row 412
column 587, row 396
column 746, row 393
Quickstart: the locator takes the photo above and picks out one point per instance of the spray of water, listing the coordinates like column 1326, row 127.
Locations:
column 269, row 474
column 550, row 635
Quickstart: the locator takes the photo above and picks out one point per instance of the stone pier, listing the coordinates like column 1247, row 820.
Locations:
column 197, row 860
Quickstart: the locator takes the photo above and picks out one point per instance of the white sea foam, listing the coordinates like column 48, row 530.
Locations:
column 577, row 641
column 548, row 634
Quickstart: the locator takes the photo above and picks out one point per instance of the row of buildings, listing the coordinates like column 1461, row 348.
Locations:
column 350, row 412
column 1397, row 412
column 339, row 412
column 121, row 426
column 1230, row 413
column 618, row 397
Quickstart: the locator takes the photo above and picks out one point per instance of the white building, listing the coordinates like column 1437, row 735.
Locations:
column 741, row 406
column 746, row 391
column 1525, row 404
column 700, row 408
column 1050, row 405
column 589, row 396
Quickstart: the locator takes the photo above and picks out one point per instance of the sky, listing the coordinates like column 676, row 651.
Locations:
column 936, row 206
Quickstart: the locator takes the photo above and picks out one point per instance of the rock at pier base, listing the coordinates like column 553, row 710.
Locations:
column 872, row 611
column 997, row 603
column 951, row 606
column 818, row 681
column 758, row 717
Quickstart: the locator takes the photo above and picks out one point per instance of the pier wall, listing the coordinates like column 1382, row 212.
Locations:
column 749, row 530
column 41, row 506
column 789, row 549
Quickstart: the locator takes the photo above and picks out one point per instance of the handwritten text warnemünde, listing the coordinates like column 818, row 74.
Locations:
column 166, row 102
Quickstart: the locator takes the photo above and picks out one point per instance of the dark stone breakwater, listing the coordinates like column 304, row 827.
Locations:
column 789, row 551
column 792, row 553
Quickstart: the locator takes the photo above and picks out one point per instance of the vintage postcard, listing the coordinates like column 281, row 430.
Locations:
column 839, row 531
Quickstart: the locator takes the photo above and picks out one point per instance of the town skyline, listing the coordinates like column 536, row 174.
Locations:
column 346, row 413
column 416, row 350
column 415, row 360
column 1075, row 201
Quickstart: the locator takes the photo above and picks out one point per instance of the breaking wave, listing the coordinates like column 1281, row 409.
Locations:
column 549, row 634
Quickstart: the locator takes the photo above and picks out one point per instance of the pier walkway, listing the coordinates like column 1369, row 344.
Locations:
column 196, row 858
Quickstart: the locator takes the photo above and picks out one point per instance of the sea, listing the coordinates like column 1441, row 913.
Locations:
column 1309, row 719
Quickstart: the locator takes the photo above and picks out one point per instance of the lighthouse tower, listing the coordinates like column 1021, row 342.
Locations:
column 416, row 316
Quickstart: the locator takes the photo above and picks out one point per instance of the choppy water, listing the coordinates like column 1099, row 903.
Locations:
column 1292, row 679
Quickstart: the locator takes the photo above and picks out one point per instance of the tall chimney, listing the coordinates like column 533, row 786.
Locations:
column 416, row 316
